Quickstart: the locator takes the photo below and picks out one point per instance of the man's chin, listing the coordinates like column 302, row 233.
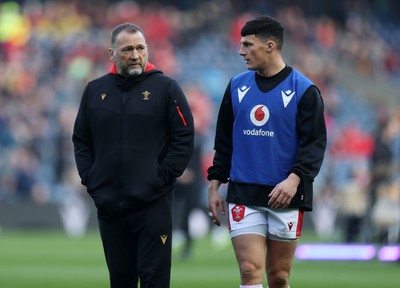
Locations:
column 135, row 71
column 250, row 67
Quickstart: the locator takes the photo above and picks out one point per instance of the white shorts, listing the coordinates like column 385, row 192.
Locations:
column 276, row 224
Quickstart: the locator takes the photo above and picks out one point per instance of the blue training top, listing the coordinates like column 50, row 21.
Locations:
column 265, row 139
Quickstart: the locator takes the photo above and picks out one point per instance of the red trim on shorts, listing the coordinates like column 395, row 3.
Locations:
column 229, row 219
column 299, row 224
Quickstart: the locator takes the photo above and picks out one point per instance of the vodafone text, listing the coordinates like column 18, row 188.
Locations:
column 258, row 132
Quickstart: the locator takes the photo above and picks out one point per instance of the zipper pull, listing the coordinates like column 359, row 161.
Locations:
column 180, row 113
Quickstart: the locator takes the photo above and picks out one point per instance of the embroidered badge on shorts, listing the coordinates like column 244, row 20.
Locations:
column 238, row 212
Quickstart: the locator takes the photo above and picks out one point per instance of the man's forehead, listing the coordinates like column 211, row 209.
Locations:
column 248, row 38
column 125, row 37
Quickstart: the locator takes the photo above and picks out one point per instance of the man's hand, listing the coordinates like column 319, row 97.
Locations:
column 284, row 192
column 215, row 201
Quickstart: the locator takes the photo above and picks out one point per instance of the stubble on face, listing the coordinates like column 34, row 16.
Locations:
column 127, row 71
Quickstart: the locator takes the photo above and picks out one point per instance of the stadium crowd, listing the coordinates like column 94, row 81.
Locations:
column 50, row 49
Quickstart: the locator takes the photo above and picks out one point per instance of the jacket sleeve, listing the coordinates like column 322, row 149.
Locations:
column 82, row 140
column 312, row 133
column 180, row 128
column 220, row 169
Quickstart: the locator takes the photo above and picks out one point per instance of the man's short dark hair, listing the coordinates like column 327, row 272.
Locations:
column 264, row 27
column 129, row 27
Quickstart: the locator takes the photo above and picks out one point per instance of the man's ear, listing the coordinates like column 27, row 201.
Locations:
column 111, row 54
column 269, row 46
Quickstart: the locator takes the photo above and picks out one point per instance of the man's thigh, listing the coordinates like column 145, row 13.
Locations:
column 279, row 256
column 250, row 254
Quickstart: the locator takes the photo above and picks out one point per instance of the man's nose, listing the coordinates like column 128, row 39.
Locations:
column 241, row 50
column 134, row 54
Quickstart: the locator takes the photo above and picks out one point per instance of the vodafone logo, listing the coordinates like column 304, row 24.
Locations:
column 259, row 115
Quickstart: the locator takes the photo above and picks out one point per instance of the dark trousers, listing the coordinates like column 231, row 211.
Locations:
column 137, row 246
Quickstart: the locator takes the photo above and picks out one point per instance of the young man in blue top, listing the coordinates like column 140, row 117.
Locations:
column 269, row 146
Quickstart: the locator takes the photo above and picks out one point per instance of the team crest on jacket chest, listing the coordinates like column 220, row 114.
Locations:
column 146, row 95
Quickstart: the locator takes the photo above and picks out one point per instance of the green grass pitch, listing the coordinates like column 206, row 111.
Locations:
column 51, row 259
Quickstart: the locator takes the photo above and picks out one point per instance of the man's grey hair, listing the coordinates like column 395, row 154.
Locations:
column 128, row 27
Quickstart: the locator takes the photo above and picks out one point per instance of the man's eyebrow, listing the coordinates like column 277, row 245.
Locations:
column 134, row 46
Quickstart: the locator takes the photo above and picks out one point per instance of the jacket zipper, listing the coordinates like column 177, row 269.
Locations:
column 124, row 96
column 180, row 113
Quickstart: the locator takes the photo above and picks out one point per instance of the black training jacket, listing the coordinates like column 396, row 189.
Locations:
column 132, row 137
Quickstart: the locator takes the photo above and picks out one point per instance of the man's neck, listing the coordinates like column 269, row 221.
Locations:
column 273, row 68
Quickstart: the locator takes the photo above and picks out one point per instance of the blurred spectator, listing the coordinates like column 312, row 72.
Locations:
column 385, row 213
column 385, row 186
column 382, row 159
column 353, row 143
column 352, row 198
column 189, row 188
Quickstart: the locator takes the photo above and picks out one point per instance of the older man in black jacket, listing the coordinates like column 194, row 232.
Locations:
column 133, row 136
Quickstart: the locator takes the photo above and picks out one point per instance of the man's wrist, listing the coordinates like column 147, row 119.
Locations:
column 295, row 178
column 215, row 184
